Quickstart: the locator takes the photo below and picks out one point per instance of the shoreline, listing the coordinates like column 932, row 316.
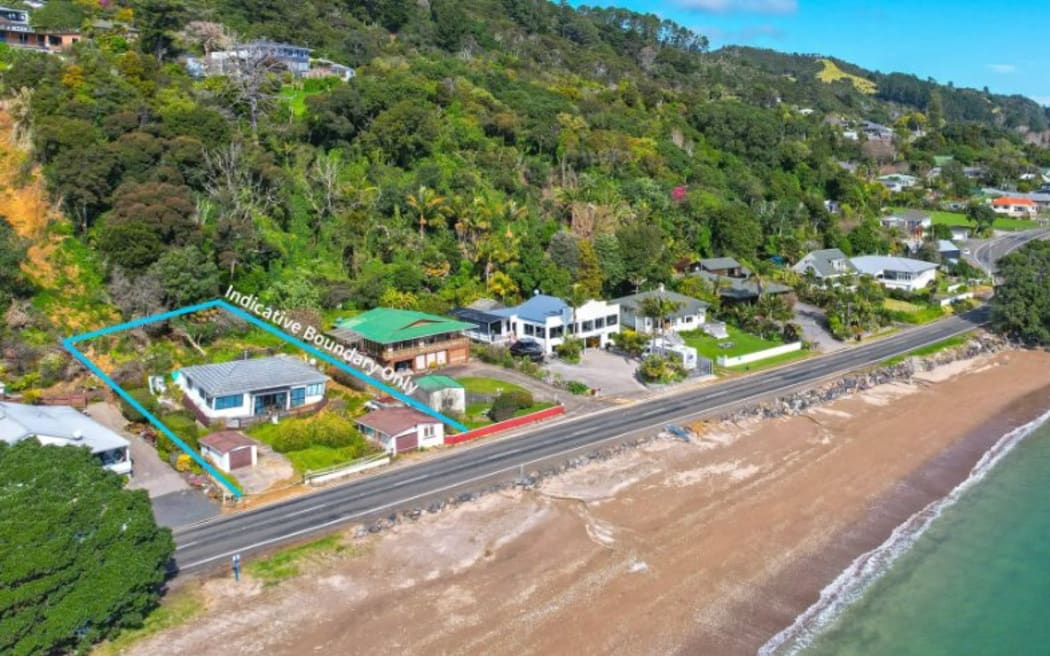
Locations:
column 932, row 483
column 708, row 547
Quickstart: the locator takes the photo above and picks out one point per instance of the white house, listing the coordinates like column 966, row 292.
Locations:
column 896, row 272
column 549, row 320
column 441, row 393
column 402, row 429
column 690, row 313
column 229, row 450
column 825, row 264
column 897, row 181
column 64, row 426
column 1020, row 208
column 257, row 387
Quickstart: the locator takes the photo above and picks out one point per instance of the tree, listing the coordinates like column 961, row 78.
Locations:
column 157, row 21
column 643, row 252
column 657, row 308
column 1021, row 305
column 982, row 217
column 186, row 275
column 13, row 282
column 428, row 207
column 82, row 555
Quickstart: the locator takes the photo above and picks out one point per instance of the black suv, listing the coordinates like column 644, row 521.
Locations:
column 527, row 348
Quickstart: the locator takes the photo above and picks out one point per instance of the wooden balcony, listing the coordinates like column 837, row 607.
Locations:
column 398, row 354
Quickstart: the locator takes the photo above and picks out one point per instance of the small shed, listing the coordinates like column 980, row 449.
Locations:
column 441, row 393
column 229, row 450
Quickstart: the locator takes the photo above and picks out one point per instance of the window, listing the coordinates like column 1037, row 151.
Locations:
column 599, row 323
column 588, row 326
column 317, row 389
column 528, row 329
column 298, row 396
column 612, row 320
column 428, row 430
column 229, row 401
column 557, row 331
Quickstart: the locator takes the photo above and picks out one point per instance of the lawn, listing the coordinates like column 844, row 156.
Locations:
column 930, row 349
column 941, row 217
column 483, row 385
column 318, row 457
column 906, row 312
column 176, row 608
column 743, row 343
column 287, row 563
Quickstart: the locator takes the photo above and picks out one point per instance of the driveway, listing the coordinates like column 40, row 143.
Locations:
column 163, row 484
column 611, row 374
column 812, row 319
column 541, row 391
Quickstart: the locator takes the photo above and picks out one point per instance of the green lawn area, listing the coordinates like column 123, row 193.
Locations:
column 483, row 385
column 941, row 217
column 930, row 349
column 773, row 361
column 896, row 305
column 906, row 312
column 319, row 457
column 287, row 563
column 176, row 608
column 743, row 343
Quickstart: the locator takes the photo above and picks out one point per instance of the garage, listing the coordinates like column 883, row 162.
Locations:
column 407, row 442
column 229, row 450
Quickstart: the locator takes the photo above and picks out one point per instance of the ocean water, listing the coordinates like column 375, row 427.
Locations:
column 970, row 574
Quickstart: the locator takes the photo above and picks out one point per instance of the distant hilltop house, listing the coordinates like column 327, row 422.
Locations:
column 1041, row 198
column 17, row 31
column 1021, row 208
column 251, row 389
column 545, row 319
column 876, row 131
column 292, row 58
column 64, row 426
column 897, row 181
column 401, row 429
column 405, row 340
column 827, row 264
column 734, row 282
column 690, row 313
column 896, row 272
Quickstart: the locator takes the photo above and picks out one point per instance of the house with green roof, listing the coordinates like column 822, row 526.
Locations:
column 441, row 393
column 405, row 340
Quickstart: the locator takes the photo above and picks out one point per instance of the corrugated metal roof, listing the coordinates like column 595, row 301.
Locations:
column 391, row 421
column 389, row 325
column 19, row 421
column 873, row 265
column 226, row 441
column 538, row 308
column 240, row 376
column 687, row 305
column 434, row 383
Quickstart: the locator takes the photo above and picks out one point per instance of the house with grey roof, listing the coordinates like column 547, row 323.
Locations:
column 825, row 264
column 734, row 282
column 896, row 272
column 62, row 425
column 251, row 388
column 689, row 313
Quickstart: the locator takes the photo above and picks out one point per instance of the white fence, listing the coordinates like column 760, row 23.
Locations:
column 354, row 466
column 747, row 358
column 958, row 297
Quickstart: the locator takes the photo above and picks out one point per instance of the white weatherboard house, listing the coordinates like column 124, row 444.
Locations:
column 549, row 320
column 402, row 429
column 896, row 272
column 689, row 314
column 64, row 426
column 257, row 387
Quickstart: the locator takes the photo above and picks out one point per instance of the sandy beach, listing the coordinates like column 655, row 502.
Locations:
column 670, row 548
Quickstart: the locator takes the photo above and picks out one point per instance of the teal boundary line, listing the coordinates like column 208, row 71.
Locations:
column 70, row 345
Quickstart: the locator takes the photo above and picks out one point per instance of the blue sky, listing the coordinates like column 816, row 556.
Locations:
column 969, row 43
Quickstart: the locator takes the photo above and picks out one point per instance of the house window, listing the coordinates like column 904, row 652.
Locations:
column 298, row 396
column 428, row 430
column 599, row 323
column 317, row 389
column 588, row 326
column 528, row 329
column 228, row 402
column 557, row 331
column 612, row 320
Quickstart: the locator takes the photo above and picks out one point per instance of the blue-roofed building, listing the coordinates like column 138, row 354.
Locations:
column 544, row 319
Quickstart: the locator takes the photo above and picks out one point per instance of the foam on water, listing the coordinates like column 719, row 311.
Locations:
column 851, row 584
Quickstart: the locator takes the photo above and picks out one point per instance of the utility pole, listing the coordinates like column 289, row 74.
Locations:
column 236, row 567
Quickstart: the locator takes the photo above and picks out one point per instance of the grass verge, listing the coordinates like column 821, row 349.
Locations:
column 930, row 349
column 175, row 609
column 288, row 562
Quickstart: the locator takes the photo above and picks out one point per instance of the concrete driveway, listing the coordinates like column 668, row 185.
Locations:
column 612, row 374
column 174, row 502
column 812, row 319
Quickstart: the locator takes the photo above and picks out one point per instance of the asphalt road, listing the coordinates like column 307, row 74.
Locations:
column 212, row 543
column 987, row 253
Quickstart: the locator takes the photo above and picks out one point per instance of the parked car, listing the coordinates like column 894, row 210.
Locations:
column 526, row 348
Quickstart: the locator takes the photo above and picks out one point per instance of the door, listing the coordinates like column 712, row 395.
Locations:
column 241, row 457
column 421, row 362
column 407, row 442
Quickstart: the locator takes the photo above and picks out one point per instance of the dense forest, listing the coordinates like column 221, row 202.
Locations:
column 484, row 148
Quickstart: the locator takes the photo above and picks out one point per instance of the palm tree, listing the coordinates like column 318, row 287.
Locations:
column 428, row 206
column 657, row 308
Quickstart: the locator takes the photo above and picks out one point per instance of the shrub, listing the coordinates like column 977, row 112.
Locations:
column 576, row 387
column 660, row 369
column 185, row 428
column 630, row 341
column 570, row 350
column 326, row 429
column 144, row 398
column 508, row 403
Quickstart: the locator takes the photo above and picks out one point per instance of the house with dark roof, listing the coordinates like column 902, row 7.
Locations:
column 253, row 388
column 405, row 340
column 689, row 313
column 734, row 282
column 726, row 267
column 229, row 450
column 825, row 264
column 401, row 429
column 896, row 272
column 61, row 425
